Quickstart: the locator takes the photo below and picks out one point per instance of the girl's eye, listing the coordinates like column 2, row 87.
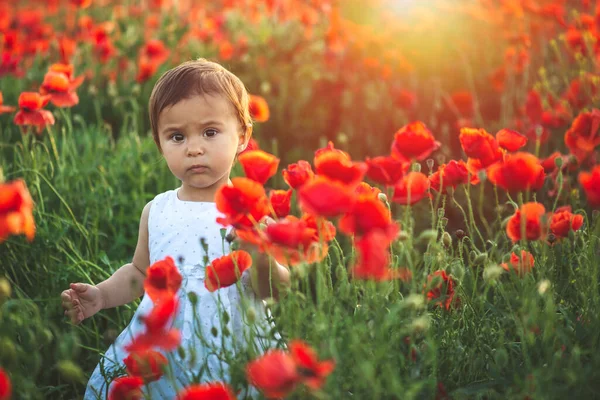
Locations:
column 177, row 137
column 210, row 133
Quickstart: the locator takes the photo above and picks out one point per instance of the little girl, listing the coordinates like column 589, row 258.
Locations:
column 200, row 122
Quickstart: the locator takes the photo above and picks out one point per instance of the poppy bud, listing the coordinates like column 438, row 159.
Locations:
column 447, row 239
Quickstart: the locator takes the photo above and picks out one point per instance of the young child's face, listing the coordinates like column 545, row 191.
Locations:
column 199, row 138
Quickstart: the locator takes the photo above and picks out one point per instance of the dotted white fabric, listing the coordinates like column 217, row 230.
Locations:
column 175, row 229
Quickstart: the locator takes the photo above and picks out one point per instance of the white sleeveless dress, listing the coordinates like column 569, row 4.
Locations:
column 175, row 228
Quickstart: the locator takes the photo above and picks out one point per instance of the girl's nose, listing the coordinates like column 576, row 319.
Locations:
column 195, row 147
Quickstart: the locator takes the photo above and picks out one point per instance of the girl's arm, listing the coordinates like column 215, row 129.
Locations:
column 127, row 283
column 270, row 276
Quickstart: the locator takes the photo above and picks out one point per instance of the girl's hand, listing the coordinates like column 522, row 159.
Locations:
column 81, row 301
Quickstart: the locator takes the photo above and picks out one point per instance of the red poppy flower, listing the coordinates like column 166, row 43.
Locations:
column 259, row 109
column 5, row 386
column 411, row 189
column 292, row 232
column 562, row 221
column 31, row 111
column 157, row 334
column 252, row 145
column 3, row 108
column 442, row 294
column 207, row 391
column 16, row 210
column 479, row 144
column 590, row 182
column 583, row 136
column 69, row 71
column 368, row 214
column 386, row 170
column 227, row 270
column 326, row 198
column 146, row 70
column 66, row 48
column 312, row 370
column 549, row 163
column 337, row 166
column 517, row 172
column 81, row 3
column 162, row 279
column 373, row 260
column 292, row 240
column 414, row 142
column 532, row 214
column 126, row 388
column 364, row 189
column 521, row 265
column 259, row 165
column 281, row 202
column 244, row 203
column 274, row 373
column 148, row 365
column 449, row 175
column 155, row 51
column 510, row 140
column 298, row 174
column 57, row 86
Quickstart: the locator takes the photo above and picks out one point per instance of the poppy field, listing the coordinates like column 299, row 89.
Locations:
column 432, row 169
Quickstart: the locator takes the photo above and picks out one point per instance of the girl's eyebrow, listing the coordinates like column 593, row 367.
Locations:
column 210, row 122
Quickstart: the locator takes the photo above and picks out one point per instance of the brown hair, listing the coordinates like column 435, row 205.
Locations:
column 198, row 77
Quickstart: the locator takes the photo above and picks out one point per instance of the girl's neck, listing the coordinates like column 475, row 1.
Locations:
column 204, row 195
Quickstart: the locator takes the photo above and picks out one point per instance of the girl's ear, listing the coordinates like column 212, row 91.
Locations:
column 245, row 138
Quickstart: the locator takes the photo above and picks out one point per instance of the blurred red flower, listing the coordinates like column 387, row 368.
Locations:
column 16, row 210
column 337, row 166
column 411, row 188
column 583, row 136
column 413, row 142
column 126, row 388
column 510, row 140
column 590, row 182
column 312, row 371
column 373, row 259
column 31, row 111
column 156, row 334
column 147, row 365
column 521, row 265
column 281, row 202
column 259, row 109
column 449, row 175
column 207, row 391
column 244, row 203
column 5, row 386
column 259, row 165
column 326, row 198
column 162, row 279
column 517, row 172
column 562, row 221
column 368, row 214
column 479, row 144
column 297, row 174
column 386, row 170
column 274, row 373
column 442, row 294
column 227, row 270
column 534, row 228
